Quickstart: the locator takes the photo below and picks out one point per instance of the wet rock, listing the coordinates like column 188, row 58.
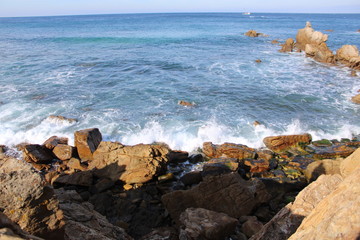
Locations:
column 320, row 53
column 166, row 177
column 253, row 33
column 231, row 163
column 257, row 165
column 284, row 143
column 251, row 226
column 57, row 118
column 320, row 167
column 191, row 178
column 228, row 150
column 346, row 53
column 328, row 30
column 86, row 142
column 54, row 141
column 199, row 223
column 356, row 99
column 63, row 151
column 258, row 60
column 74, row 164
column 288, row 219
column 227, row 193
column 84, row 178
column 37, row 154
column 214, row 169
column 353, row 73
column 322, row 143
column 196, row 158
column 335, row 151
column 178, row 156
column 130, row 164
column 186, row 104
column 288, row 46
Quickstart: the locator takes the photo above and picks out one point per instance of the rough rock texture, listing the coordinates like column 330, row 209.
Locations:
column 286, row 142
column 57, row 118
column 227, row 193
column 288, row 219
column 288, row 46
column 320, row 52
column 199, row 223
column 84, row 178
column 350, row 164
column 54, row 141
column 63, row 151
column 257, row 165
column 86, row 142
column 336, row 151
column 27, row 200
column 356, row 99
column 251, row 226
column 37, row 154
column 253, row 33
column 131, row 164
column 346, row 53
column 320, row 167
column 228, row 150
column 337, row 215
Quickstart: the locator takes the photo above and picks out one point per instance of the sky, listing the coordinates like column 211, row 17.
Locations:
column 17, row 8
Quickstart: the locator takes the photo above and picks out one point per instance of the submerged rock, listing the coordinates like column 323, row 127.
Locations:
column 57, row 118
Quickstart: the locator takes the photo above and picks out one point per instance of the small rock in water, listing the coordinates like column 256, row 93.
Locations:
column 256, row 123
column 353, row 73
column 258, row 60
column 275, row 42
column 328, row 30
column 186, row 104
column 56, row 118
column 356, row 99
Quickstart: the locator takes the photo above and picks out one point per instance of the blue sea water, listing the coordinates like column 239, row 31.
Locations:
column 126, row 73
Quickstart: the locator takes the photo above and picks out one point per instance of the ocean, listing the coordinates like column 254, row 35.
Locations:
column 125, row 74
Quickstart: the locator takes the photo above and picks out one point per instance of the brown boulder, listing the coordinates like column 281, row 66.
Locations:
column 199, row 223
column 131, row 164
column 86, row 142
column 230, row 163
column 251, row 226
column 228, row 150
column 335, row 151
column 346, row 53
column 308, row 35
column 37, row 154
column 257, row 165
column 57, row 118
column 75, row 164
column 54, row 141
column 356, row 99
column 63, row 151
column 289, row 218
column 350, row 164
column 287, row 142
column 186, row 104
column 253, row 33
column 288, row 46
column 320, row 167
column 227, row 193
column 84, row 178
column 320, row 52
column 275, row 42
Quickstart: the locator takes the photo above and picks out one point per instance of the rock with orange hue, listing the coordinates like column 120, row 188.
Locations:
column 335, row 151
column 131, row 164
column 288, row 46
column 346, row 53
column 54, row 141
column 275, row 42
column 63, row 151
column 356, row 99
column 231, row 163
column 257, row 165
column 228, row 150
column 320, row 167
column 57, row 118
column 200, row 223
column 37, row 154
column 350, row 164
column 284, row 143
column 186, row 104
column 86, row 142
column 320, row 52
column 252, row 33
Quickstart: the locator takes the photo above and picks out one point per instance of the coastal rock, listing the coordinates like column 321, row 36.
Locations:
column 275, row 42
column 288, row 46
column 228, row 194
column 257, row 165
column 57, row 119
column 258, row 60
column 228, row 150
column 335, row 216
column 231, row 163
column 191, row 178
column 350, row 164
column 251, row 226
column 86, row 142
column 284, row 143
column 308, row 35
column 54, row 141
column 75, row 164
column 131, row 164
column 37, row 154
column 320, row 167
column 320, row 53
column 63, row 151
column 11, row 231
column 356, row 99
column 186, row 104
column 253, row 33
column 346, row 53
column 336, row 151
column 289, row 218
column 178, row 156
column 84, row 178
column 199, row 223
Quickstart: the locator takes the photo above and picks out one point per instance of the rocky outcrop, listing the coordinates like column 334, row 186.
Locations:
column 86, row 142
column 199, row 223
column 131, row 164
column 253, row 33
column 350, row 164
column 284, row 143
column 320, row 167
column 228, row 150
column 349, row 55
column 251, row 226
column 228, row 194
column 54, row 141
column 288, row 46
column 356, row 99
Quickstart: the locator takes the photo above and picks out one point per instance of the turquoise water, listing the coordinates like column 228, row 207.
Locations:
column 126, row 73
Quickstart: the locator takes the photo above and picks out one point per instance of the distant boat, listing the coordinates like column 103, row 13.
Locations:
column 246, row 13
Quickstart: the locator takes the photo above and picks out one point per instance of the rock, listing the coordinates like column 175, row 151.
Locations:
column 258, row 60
column 275, row 42
column 63, row 151
column 288, row 219
column 228, row 193
column 75, row 164
column 178, row 156
column 256, row 123
column 251, row 226
column 328, row 30
column 57, row 119
column 102, row 185
column 336, row 215
column 350, row 164
column 166, row 177
column 214, row 169
column 257, row 165
column 37, row 154
column 130, row 164
column 308, row 35
column 191, row 178
column 54, row 141
column 228, row 150
column 165, row 233
column 353, row 73
column 322, row 143
column 356, row 99
column 253, row 33
column 199, row 223
column 336, row 151
column 196, row 158
column 284, row 143
column 86, row 142
column 186, row 104
column 84, row 178
column 231, row 163
column 320, row 167
column 346, row 53
column 288, row 46
column 33, row 204
column 11, row 231
column 320, row 53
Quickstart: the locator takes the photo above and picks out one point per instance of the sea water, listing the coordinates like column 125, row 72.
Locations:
column 125, row 74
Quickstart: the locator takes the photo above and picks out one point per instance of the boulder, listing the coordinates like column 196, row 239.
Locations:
column 54, row 141
column 346, row 53
column 275, row 42
column 336, row 151
column 84, row 178
column 230, row 163
column 178, row 156
column 199, row 223
column 289, row 218
column 251, row 226
column 320, row 167
column 228, row 194
column 284, row 143
column 356, row 99
column 74, row 164
column 253, row 33
column 186, row 104
column 336, row 215
column 288, row 46
column 320, row 52
column 350, row 164
column 130, row 164
column 63, row 151
column 60, row 119
column 37, row 154
column 257, row 165
column 191, row 178
column 308, row 35
column 228, row 150
column 86, row 142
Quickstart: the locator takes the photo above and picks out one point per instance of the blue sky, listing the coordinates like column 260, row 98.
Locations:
column 12, row 8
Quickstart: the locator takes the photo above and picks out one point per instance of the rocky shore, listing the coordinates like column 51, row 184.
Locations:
column 294, row 188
